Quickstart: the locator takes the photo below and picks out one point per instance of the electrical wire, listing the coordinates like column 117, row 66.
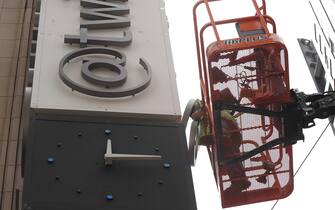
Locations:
column 307, row 156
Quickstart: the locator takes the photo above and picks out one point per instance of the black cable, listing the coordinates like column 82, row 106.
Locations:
column 303, row 162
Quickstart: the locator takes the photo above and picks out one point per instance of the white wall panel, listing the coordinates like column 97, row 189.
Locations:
column 149, row 27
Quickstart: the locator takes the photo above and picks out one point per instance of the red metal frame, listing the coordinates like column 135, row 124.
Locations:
column 260, row 61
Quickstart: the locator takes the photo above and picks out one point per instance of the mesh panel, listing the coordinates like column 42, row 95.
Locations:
column 252, row 78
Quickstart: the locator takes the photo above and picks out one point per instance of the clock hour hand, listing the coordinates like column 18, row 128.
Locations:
column 110, row 156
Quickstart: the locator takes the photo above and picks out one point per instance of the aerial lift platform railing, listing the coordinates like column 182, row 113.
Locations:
column 275, row 162
column 249, row 120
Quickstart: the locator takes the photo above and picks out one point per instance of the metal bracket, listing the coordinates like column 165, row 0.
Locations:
column 315, row 106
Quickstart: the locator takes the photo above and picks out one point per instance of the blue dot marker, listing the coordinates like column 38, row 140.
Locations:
column 166, row 165
column 108, row 131
column 109, row 197
column 51, row 160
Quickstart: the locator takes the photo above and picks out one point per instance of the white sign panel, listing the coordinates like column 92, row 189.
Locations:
column 105, row 57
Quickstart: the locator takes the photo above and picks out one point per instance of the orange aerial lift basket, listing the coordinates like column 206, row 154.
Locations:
column 239, row 77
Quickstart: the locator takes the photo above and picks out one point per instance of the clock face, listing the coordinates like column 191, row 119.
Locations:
column 66, row 167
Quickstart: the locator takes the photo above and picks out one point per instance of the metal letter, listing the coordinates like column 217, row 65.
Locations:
column 100, row 20
column 114, row 64
column 105, row 7
column 84, row 39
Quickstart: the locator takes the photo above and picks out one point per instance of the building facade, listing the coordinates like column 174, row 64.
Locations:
column 324, row 36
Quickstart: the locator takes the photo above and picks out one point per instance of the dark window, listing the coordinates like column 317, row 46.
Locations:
column 326, row 57
column 332, row 46
column 320, row 43
column 331, row 89
column 331, row 68
column 315, row 34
